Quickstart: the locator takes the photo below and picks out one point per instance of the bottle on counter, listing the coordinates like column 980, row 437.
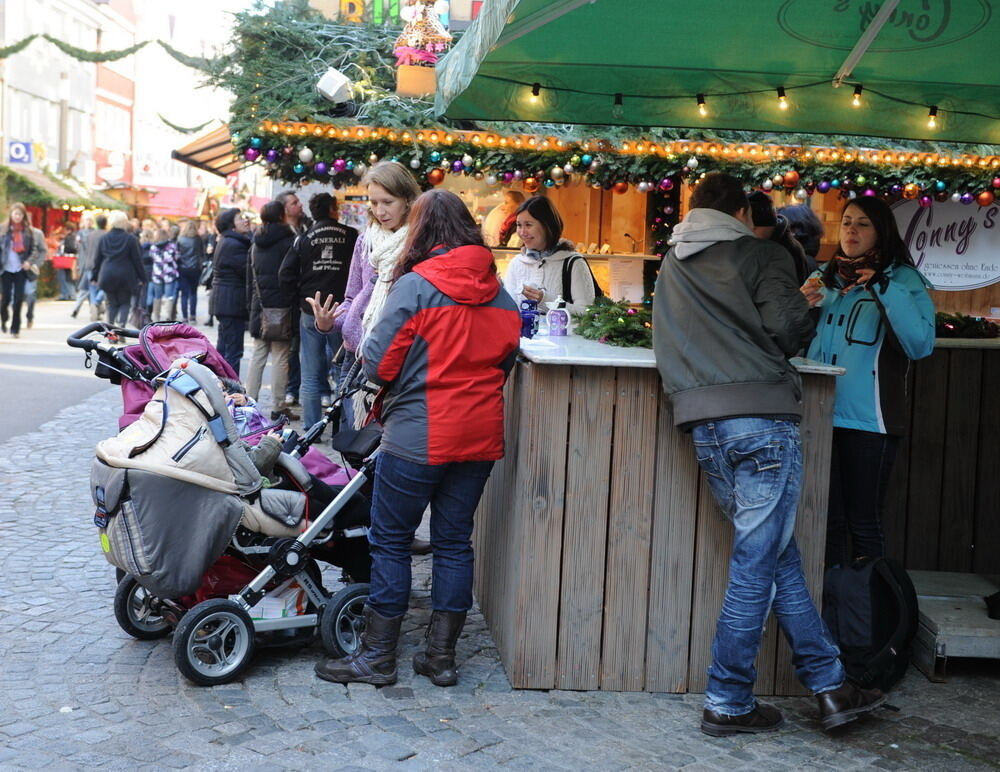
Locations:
column 558, row 318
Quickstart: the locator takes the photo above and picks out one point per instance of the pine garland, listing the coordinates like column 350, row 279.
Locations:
column 17, row 47
column 616, row 323
column 962, row 326
column 94, row 56
column 208, row 66
column 181, row 129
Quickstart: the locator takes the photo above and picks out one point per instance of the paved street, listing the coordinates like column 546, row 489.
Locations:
column 77, row 692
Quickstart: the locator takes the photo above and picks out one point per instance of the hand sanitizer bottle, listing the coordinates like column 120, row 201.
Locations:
column 558, row 318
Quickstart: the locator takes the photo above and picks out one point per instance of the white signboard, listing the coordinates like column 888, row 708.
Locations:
column 956, row 246
column 626, row 280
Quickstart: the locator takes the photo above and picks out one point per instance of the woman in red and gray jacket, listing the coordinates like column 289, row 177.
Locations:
column 441, row 350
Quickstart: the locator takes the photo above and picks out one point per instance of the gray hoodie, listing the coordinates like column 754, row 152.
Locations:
column 727, row 314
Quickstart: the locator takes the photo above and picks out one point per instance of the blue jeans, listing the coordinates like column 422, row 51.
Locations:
column 754, row 468
column 188, row 290
column 230, row 341
column 164, row 290
column 65, row 277
column 402, row 491
column 314, row 360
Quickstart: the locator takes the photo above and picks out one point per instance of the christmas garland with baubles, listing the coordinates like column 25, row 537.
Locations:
column 616, row 323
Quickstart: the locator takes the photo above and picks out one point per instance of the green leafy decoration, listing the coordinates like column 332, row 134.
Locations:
column 208, row 66
column 94, row 56
column 17, row 47
column 616, row 323
column 962, row 326
column 181, row 129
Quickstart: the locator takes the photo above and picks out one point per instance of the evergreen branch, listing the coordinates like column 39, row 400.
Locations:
column 202, row 63
column 94, row 56
column 181, row 129
column 15, row 48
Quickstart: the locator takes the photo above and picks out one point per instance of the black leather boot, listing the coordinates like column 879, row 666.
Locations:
column 846, row 704
column 437, row 661
column 763, row 718
column 375, row 661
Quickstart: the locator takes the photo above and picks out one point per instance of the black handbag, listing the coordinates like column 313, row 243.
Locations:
column 275, row 323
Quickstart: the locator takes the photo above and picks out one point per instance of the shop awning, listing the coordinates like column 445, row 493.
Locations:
column 212, row 152
column 645, row 63
column 173, row 202
column 38, row 188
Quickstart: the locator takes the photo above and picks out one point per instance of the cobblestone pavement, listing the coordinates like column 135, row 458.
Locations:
column 77, row 692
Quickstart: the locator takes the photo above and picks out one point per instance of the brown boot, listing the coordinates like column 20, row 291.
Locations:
column 437, row 662
column 763, row 718
column 375, row 661
column 846, row 704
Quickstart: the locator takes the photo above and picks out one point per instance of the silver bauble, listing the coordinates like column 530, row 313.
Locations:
column 568, row 168
column 767, row 185
column 956, row 198
column 373, row 159
column 801, row 194
column 492, row 181
column 692, row 163
column 467, row 160
column 556, row 173
column 306, row 155
column 359, row 170
column 415, row 163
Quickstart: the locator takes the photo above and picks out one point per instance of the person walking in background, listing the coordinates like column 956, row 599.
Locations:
column 299, row 223
column 190, row 263
column 209, row 237
column 163, row 278
column 876, row 317
column 89, row 235
column 391, row 192
column 264, row 291
column 22, row 251
column 500, row 225
column 727, row 314
column 64, row 260
column 229, row 284
column 441, row 349
column 548, row 266
column 295, row 217
column 118, row 268
column 319, row 261
column 805, row 227
column 768, row 224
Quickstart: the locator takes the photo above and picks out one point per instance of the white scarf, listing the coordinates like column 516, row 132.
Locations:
column 384, row 250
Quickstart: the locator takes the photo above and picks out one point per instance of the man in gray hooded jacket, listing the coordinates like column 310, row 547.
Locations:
column 727, row 314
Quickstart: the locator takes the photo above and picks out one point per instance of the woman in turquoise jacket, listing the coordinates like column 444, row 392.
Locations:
column 876, row 316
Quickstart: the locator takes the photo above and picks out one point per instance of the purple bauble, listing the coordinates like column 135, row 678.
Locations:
column 271, row 156
column 666, row 184
column 668, row 210
column 870, row 192
column 320, row 168
column 926, row 201
column 519, row 174
column 967, row 198
column 457, row 167
column 896, row 189
column 508, row 177
column 823, row 186
column 251, row 154
column 339, row 165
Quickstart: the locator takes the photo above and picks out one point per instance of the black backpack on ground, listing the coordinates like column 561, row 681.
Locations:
column 870, row 607
column 567, row 273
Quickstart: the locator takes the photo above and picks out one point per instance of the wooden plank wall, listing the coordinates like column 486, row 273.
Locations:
column 602, row 558
column 943, row 499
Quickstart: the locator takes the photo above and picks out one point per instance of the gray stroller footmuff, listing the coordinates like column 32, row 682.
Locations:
column 172, row 487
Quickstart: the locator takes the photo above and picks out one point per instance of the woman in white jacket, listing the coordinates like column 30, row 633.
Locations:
column 548, row 266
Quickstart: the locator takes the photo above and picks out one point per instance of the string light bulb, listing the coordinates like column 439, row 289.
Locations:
column 856, row 101
column 932, row 117
column 702, row 109
column 536, row 89
column 782, row 99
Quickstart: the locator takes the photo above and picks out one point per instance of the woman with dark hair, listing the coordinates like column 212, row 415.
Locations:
column 876, row 316
column 22, row 250
column 805, row 226
column 229, row 284
column 548, row 267
column 190, row 261
column 270, row 245
column 441, row 407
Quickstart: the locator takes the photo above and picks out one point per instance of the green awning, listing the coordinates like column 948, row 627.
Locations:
column 659, row 55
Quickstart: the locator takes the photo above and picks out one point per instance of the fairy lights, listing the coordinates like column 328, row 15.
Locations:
column 702, row 109
column 932, row 117
column 856, row 100
column 782, row 99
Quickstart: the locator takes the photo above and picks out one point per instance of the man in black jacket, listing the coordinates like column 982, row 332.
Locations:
column 319, row 261
column 727, row 314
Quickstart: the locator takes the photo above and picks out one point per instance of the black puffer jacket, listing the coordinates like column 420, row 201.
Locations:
column 229, row 279
column 270, row 246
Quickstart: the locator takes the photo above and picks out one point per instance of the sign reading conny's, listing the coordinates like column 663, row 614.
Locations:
column 956, row 246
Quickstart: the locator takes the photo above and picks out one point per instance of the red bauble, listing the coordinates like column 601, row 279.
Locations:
column 985, row 198
column 791, row 178
column 531, row 184
column 996, row 182
column 435, row 176
column 620, row 187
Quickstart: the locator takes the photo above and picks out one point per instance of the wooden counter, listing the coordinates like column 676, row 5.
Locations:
column 601, row 557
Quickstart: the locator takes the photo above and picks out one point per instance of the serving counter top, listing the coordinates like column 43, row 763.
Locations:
column 574, row 350
column 979, row 343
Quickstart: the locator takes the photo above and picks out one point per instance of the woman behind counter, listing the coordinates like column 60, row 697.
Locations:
column 876, row 317
column 548, row 266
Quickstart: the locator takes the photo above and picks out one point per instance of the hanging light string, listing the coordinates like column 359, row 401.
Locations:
column 722, row 94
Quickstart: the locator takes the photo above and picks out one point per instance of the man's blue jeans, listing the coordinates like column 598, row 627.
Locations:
column 314, row 359
column 754, row 468
column 402, row 492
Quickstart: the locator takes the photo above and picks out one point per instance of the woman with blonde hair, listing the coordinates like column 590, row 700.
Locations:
column 118, row 268
column 391, row 192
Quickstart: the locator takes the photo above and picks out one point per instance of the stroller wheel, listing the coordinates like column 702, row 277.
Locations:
column 343, row 620
column 137, row 613
column 214, row 642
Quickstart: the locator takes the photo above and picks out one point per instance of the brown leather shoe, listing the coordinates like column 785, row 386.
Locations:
column 375, row 660
column 437, row 662
column 763, row 718
column 845, row 704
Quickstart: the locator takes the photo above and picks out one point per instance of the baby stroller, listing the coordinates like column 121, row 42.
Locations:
column 202, row 547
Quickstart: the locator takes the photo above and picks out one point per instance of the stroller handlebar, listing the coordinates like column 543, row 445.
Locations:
column 79, row 338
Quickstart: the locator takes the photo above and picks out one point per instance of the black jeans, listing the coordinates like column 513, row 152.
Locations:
column 860, row 465
column 12, row 294
column 230, row 343
column 118, row 304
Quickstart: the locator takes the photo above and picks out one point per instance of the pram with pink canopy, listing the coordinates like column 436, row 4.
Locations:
column 218, row 622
